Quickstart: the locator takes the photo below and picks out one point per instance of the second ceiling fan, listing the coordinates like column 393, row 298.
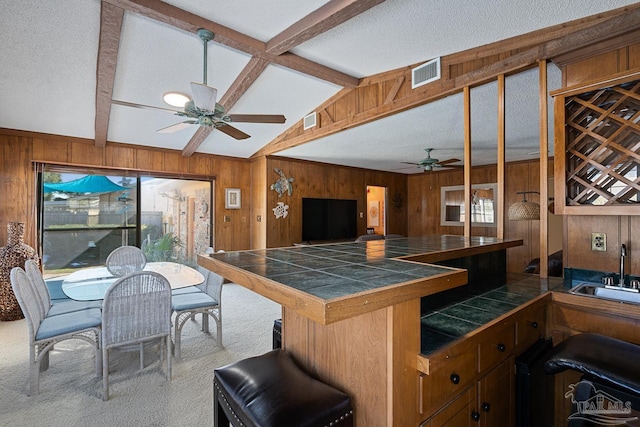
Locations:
column 203, row 110
column 429, row 163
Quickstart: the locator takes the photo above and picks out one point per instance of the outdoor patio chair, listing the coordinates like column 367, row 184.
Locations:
column 47, row 330
column 125, row 260
column 59, row 307
column 136, row 310
column 206, row 299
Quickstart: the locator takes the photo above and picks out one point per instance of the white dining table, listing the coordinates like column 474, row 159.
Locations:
column 92, row 283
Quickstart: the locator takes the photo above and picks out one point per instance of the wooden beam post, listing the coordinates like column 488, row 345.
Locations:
column 500, row 166
column 467, row 161
column 544, row 169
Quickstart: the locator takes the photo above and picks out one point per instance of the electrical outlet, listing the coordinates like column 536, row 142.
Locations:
column 226, row 218
column 598, row 242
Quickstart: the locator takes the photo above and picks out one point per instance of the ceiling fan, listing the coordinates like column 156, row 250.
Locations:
column 429, row 163
column 203, row 110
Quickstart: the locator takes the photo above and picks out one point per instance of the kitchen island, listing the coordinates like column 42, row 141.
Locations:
column 351, row 311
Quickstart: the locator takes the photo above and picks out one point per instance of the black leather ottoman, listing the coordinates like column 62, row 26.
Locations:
column 272, row 391
column 277, row 333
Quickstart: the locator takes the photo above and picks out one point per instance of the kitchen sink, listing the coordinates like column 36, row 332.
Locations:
column 610, row 293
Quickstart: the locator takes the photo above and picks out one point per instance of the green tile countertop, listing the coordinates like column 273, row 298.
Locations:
column 459, row 311
column 332, row 282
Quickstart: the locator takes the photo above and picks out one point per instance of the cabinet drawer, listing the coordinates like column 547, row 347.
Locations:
column 531, row 326
column 497, row 346
column 452, row 370
column 459, row 412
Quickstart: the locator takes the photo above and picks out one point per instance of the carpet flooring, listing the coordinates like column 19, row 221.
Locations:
column 70, row 395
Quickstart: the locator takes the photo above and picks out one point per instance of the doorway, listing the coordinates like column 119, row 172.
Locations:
column 376, row 210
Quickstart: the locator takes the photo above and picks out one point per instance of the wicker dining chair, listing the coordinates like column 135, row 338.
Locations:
column 47, row 330
column 59, row 307
column 205, row 299
column 136, row 310
column 125, row 260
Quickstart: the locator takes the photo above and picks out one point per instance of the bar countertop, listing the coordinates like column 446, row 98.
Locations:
column 332, row 282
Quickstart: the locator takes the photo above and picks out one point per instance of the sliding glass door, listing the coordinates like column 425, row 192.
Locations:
column 85, row 216
column 175, row 219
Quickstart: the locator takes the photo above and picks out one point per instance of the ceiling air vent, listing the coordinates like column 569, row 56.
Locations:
column 425, row 73
column 309, row 120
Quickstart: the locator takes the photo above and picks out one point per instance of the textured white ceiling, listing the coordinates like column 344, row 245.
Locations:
column 48, row 73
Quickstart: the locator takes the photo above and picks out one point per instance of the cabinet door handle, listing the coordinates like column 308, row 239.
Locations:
column 532, row 324
column 455, row 378
column 501, row 347
column 475, row 416
column 486, row 407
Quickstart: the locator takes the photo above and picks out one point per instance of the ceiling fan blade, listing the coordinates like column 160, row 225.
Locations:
column 204, row 96
column 409, row 163
column 444, row 162
column 177, row 126
column 233, row 132
column 257, row 118
column 144, row 107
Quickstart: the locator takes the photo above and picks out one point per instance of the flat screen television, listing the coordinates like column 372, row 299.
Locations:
column 329, row 219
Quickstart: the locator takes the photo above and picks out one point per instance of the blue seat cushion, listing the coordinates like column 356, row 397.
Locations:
column 69, row 305
column 187, row 290
column 192, row 300
column 55, row 288
column 66, row 323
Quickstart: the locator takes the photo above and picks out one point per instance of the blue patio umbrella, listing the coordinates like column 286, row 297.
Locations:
column 90, row 184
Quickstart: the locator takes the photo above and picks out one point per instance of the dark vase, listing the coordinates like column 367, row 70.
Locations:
column 13, row 255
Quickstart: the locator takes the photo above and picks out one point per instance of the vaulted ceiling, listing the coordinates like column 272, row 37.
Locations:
column 64, row 61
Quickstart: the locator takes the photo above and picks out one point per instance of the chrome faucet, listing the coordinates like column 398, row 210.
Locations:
column 623, row 254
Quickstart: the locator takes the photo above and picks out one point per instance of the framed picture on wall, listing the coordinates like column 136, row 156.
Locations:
column 373, row 217
column 232, row 198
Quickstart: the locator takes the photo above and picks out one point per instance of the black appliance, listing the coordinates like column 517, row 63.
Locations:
column 534, row 388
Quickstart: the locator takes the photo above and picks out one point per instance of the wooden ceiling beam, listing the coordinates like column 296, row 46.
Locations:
column 609, row 29
column 245, row 79
column 537, row 37
column 110, row 28
column 187, row 21
column 196, row 140
column 249, row 74
column 325, row 18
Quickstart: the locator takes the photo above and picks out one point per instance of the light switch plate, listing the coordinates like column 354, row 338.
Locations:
column 598, row 242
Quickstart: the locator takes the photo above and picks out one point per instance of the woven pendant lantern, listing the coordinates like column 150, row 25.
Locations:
column 524, row 210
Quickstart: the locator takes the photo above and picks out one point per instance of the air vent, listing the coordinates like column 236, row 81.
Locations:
column 309, row 121
column 425, row 73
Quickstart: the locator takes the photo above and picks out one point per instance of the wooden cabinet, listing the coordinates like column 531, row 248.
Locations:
column 530, row 326
column 496, row 346
column 450, row 371
column 472, row 381
column 489, row 402
column 596, row 150
column 460, row 412
column 496, row 396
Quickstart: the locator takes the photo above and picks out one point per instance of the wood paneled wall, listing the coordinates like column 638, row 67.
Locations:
column 424, row 206
column 18, row 151
column 619, row 229
column 327, row 181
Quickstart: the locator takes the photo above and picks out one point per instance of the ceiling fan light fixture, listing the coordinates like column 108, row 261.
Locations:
column 175, row 99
